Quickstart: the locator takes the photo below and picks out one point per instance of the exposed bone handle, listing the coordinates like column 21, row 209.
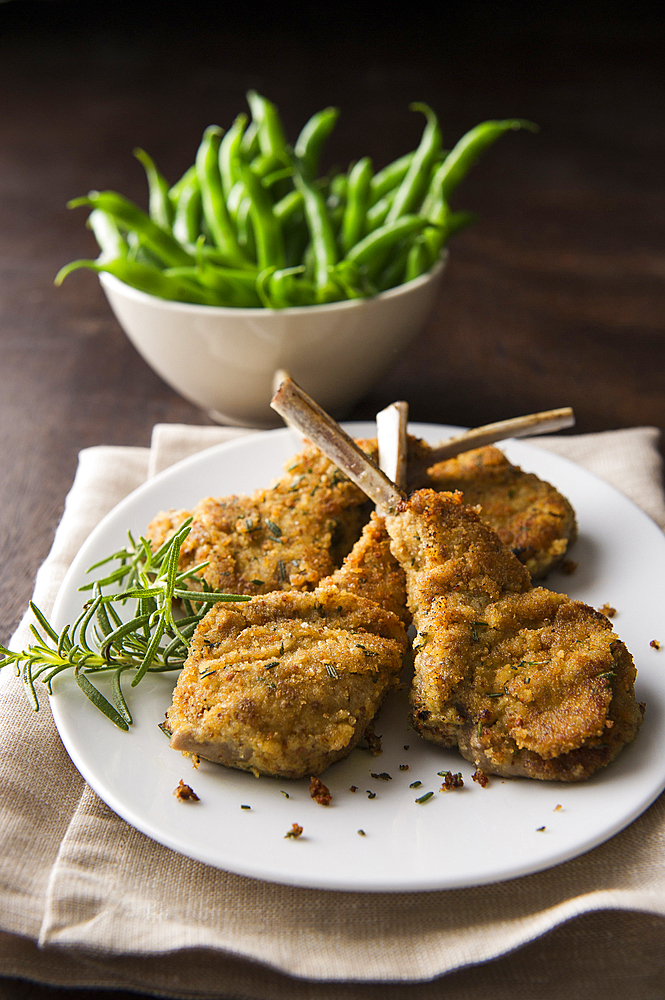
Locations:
column 391, row 425
column 533, row 423
column 297, row 408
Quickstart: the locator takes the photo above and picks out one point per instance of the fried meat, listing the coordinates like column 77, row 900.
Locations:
column 287, row 537
column 529, row 515
column 287, row 683
column 524, row 681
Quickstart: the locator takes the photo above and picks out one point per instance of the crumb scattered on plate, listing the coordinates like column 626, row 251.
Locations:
column 184, row 793
column 319, row 792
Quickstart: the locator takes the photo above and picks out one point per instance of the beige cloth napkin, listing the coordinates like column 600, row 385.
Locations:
column 87, row 900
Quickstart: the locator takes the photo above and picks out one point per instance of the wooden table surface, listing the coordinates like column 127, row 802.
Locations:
column 555, row 297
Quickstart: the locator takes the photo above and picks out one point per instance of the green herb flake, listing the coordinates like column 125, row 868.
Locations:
column 415, row 784
column 332, row 671
column 425, row 798
column 383, row 775
column 273, row 529
column 370, row 794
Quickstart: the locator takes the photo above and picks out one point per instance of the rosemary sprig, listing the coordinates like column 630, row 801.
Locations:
column 101, row 642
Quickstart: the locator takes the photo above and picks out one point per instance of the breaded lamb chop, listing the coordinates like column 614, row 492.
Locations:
column 288, row 683
column 523, row 681
column 287, row 537
column 528, row 514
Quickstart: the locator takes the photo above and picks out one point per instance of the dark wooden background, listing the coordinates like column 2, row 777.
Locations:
column 556, row 296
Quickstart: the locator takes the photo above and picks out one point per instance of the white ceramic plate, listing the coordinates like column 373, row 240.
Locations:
column 469, row 837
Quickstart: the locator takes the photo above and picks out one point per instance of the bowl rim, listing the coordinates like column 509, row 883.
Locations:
column 115, row 284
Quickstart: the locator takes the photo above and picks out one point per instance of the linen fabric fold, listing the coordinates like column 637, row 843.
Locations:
column 78, row 884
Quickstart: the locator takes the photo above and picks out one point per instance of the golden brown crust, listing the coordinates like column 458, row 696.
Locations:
column 287, row 683
column 370, row 570
column 524, row 681
column 529, row 515
column 283, row 538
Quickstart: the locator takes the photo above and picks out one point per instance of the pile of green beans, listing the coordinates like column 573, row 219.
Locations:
column 253, row 223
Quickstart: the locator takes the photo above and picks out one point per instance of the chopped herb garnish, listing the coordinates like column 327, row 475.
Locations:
column 362, row 833
column 285, row 794
column 271, row 666
column 371, row 795
column 425, row 798
column 257, row 583
column 539, row 829
column 384, row 776
column 404, row 767
column 415, row 784
column 332, row 671
column 98, row 642
column 164, row 726
column 282, row 571
column 245, row 807
column 273, row 529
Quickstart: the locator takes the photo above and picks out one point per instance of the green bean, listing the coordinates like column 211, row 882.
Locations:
column 377, row 214
column 389, row 177
column 233, row 287
column 287, row 206
column 411, row 190
column 265, row 164
column 109, row 238
column 146, row 279
column 465, row 153
column 322, row 234
column 371, row 248
column 160, row 207
column 393, row 272
column 272, row 140
column 212, row 196
column 229, row 150
column 188, row 211
column 176, row 189
column 419, row 259
column 313, row 135
column 286, row 288
column 357, row 202
column 282, row 174
column 130, row 217
column 245, row 228
column 350, row 281
column 337, row 190
column 457, row 221
column 267, row 230
column 235, row 198
column 296, row 238
column 251, row 207
column 249, row 147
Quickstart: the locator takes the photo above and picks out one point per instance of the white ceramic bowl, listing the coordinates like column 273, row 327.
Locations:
column 224, row 359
